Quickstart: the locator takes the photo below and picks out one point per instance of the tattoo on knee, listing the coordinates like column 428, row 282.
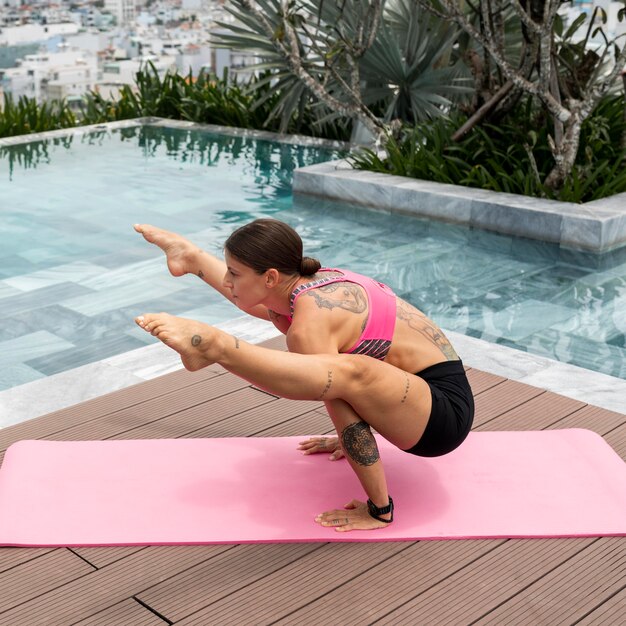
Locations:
column 406, row 389
column 195, row 340
column 359, row 443
column 329, row 382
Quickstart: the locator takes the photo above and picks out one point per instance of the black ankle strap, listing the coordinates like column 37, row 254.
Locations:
column 376, row 511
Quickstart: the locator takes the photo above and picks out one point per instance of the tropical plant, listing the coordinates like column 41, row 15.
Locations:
column 202, row 99
column 27, row 116
column 337, row 54
column 511, row 157
column 567, row 79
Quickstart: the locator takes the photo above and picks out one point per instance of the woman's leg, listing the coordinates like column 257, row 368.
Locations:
column 359, row 391
column 393, row 402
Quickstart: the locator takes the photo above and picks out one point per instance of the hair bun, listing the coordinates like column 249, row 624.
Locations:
column 309, row 266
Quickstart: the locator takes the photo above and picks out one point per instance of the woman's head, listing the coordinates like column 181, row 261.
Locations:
column 270, row 244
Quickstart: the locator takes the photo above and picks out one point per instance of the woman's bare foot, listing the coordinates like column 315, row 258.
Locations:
column 178, row 250
column 198, row 344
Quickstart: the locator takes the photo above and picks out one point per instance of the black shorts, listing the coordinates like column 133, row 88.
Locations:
column 452, row 413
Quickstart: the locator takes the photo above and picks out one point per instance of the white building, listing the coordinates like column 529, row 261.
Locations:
column 45, row 76
column 116, row 74
column 194, row 58
column 29, row 33
column 123, row 10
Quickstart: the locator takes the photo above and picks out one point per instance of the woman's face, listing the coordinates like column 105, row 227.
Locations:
column 246, row 286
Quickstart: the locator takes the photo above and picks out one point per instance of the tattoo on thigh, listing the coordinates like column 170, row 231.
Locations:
column 406, row 389
column 329, row 382
column 359, row 443
column 195, row 340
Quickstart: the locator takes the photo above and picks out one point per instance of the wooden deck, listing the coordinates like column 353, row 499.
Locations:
column 563, row 581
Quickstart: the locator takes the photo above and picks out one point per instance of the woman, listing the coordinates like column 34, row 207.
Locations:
column 373, row 359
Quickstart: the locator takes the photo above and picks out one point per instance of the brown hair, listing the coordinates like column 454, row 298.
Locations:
column 267, row 243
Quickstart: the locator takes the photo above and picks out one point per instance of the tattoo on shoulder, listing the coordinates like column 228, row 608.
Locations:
column 419, row 322
column 359, row 443
column 345, row 296
column 273, row 315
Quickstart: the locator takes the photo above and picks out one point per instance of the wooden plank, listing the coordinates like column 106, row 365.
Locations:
column 127, row 613
column 502, row 398
column 371, row 589
column 534, row 414
column 481, row 381
column 486, row 583
column 38, row 576
column 230, row 573
column 309, row 423
column 616, row 438
column 11, row 557
column 282, row 591
column 608, row 612
column 258, row 419
column 127, row 419
column 565, row 594
column 103, row 588
column 94, row 409
column 101, row 557
column 592, row 417
column 189, row 421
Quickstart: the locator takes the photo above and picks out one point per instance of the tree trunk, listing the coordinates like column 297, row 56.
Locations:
column 565, row 153
column 624, row 134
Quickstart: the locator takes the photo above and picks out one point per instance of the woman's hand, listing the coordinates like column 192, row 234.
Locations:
column 355, row 516
column 322, row 444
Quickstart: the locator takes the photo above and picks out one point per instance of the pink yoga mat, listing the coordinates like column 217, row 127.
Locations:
column 559, row 483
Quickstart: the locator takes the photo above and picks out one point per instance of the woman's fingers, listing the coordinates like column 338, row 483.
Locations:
column 354, row 516
column 315, row 445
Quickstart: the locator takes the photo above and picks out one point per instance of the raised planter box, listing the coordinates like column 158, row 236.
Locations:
column 598, row 226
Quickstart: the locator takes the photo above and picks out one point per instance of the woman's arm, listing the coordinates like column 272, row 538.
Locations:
column 184, row 257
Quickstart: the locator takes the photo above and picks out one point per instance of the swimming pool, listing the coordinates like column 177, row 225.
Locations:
column 73, row 273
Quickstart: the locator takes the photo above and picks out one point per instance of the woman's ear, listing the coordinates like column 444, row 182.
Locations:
column 272, row 278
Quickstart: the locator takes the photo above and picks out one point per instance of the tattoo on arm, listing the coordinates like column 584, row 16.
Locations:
column 236, row 343
column 329, row 382
column 196, row 340
column 359, row 443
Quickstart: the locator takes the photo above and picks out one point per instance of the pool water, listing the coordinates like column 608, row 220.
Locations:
column 73, row 273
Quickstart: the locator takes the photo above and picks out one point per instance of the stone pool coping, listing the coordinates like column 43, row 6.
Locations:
column 598, row 226
column 180, row 124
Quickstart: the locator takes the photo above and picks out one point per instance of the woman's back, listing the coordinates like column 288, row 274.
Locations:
column 363, row 316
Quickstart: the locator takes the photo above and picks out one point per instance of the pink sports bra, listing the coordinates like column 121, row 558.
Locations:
column 375, row 340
